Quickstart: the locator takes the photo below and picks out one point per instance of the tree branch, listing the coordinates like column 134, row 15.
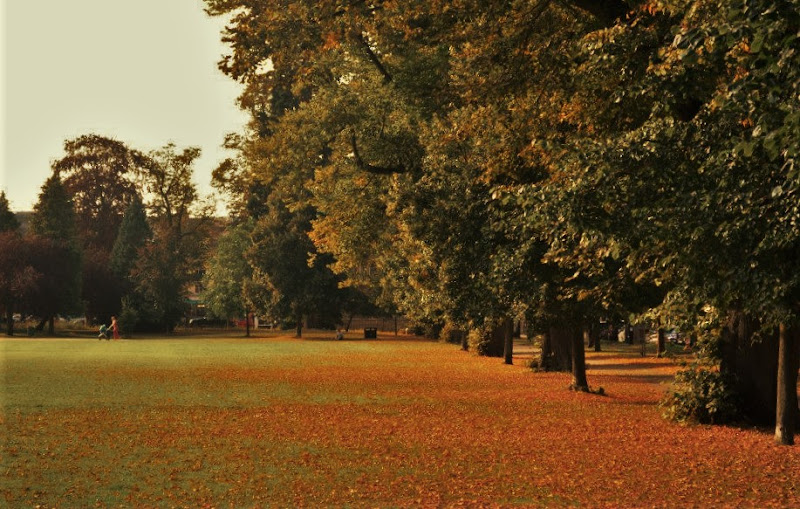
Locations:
column 372, row 56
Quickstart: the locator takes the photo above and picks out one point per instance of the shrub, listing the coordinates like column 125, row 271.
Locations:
column 451, row 333
column 485, row 341
column 701, row 394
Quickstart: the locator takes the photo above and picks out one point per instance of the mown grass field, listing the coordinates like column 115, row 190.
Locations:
column 280, row 422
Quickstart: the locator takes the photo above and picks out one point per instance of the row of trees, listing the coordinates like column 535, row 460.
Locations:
column 470, row 162
column 114, row 232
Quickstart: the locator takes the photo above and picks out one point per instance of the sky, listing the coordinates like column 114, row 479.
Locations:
column 141, row 71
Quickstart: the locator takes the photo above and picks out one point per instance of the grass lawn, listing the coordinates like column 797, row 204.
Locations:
column 276, row 421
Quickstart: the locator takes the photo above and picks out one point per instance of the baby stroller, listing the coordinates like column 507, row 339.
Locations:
column 103, row 332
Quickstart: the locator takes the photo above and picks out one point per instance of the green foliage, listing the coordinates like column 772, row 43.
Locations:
column 8, row 221
column 128, row 319
column 54, row 214
column 485, row 341
column 56, row 254
column 227, row 274
column 180, row 222
column 567, row 160
column 701, row 394
column 134, row 233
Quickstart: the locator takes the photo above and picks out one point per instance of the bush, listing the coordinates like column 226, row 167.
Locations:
column 701, row 394
column 486, row 342
column 128, row 320
column 450, row 333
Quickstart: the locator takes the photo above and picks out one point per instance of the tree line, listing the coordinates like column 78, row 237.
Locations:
column 114, row 232
column 468, row 163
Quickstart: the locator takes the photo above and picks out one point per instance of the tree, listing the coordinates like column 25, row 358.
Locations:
column 8, row 221
column 296, row 283
column 19, row 280
column 228, row 275
column 57, row 253
column 100, row 175
column 180, row 222
column 687, row 174
column 134, row 233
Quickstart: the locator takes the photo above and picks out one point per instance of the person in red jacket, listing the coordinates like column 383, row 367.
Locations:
column 114, row 327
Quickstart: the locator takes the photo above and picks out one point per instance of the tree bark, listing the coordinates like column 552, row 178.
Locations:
column 786, row 411
column 579, row 382
column 9, row 322
column 753, row 366
column 595, row 334
column 547, row 348
column 507, row 326
column 557, row 349
column 662, row 343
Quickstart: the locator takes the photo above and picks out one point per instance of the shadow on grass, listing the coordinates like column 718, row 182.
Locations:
column 624, row 366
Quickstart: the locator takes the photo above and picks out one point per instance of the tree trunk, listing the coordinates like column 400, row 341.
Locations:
column 662, row 343
column 753, row 366
column 786, row 412
column 246, row 323
column 492, row 341
column 587, row 337
column 547, row 347
column 557, row 355
column 595, row 334
column 9, row 322
column 507, row 327
column 613, row 333
column 349, row 322
column 51, row 326
column 299, row 327
column 579, row 382
column 640, row 335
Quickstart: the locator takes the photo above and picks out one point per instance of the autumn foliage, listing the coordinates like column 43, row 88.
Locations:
column 274, row 421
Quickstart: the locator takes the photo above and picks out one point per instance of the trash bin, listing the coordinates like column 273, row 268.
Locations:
column 370, row 333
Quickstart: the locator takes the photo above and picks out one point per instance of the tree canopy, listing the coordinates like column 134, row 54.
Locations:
column 568, row 160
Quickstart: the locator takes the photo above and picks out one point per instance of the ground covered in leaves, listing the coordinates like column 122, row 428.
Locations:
column 276, row 421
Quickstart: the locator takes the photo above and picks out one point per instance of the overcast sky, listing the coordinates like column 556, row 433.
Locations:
column 141, row 71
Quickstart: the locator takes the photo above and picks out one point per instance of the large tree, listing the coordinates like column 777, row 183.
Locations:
column 228, row 275
column 180, row 221
column 100, row 174
column 59, row 254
